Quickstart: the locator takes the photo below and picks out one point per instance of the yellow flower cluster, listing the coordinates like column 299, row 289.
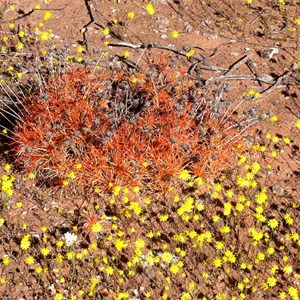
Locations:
column 186, row 207
column 25, row 242
column 6, row 182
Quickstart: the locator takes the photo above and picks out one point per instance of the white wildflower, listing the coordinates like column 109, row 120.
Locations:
column 70, row 238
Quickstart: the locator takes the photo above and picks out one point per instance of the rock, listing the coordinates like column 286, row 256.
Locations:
column 278, row 190
column 268, row 53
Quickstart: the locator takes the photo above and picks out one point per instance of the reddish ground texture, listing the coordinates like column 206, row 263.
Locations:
column 221, row 33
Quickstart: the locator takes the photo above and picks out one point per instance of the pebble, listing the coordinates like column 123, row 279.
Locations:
column 278, row 190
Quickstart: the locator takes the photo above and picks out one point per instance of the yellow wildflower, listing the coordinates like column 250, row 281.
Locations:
column 227, row 209
column 106, row 31
column 29, row 260
column 139, row 243
column 274, row 118
column 150, row 9
column 45, row 251
column 59, row 296
column 217, row 262
column 175, row 34
column 271, row 281
column 25, row 242
column 131, row 15
column 5, row 260
column 166, row 257
column 273, row 223
column 47, row 15
column 44, row 35
column 120, row 245
column 190, row 53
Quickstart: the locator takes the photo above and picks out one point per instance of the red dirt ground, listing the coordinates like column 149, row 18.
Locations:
column 221, row 34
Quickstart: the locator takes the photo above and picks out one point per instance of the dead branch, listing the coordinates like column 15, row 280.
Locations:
column 263, row 78
column 237, row 64
column 199, row 59
column 278, row 83
column 90, row 6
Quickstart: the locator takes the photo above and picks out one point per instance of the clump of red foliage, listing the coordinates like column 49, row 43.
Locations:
column 123, row 127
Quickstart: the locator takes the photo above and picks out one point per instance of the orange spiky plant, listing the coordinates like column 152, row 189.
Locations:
column 90, row 221
column 142, row 132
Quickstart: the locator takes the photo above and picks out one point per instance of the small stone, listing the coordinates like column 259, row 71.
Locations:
column 162, row 20
column 278, row 190
column 268, row 53
column 188, row 27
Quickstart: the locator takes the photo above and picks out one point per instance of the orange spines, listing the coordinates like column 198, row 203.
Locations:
column 130, row 132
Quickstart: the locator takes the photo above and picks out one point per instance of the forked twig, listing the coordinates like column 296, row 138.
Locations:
column 89, row 4
column 236, row 64
column 199, row 59
column 277, row 83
